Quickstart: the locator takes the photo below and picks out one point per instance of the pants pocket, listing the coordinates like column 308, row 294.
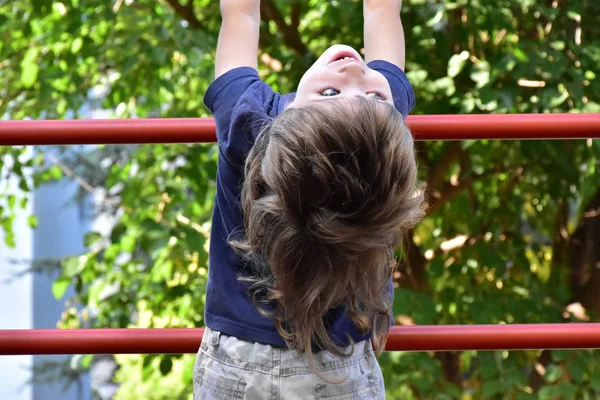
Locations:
column 364, row 388
column 209, row 385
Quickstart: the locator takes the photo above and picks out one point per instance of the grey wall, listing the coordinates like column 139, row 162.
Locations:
column 16, row 302
column 62, row 225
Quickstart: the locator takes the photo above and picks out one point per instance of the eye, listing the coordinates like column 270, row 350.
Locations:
column 377, row 96
column 329, row 92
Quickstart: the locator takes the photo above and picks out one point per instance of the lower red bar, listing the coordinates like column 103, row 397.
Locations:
column 197, row 130
column 402, row 338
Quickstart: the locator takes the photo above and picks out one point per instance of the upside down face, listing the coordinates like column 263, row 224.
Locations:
column 341, row 73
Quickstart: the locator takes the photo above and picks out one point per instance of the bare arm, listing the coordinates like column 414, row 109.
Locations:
column 238, row 37
column 384, row 34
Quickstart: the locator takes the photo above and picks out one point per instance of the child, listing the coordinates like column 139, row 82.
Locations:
column 313, row 192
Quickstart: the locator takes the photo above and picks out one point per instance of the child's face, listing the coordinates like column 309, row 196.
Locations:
column 340, row 73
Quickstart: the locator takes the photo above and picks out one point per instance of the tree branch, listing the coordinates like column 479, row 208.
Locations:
column 411, row 270
column 190, row 7
column 186, row 12
column 584, row 257
column 439, row 168
column 291, row 37
column 450, row 191
column 560, row 243
column 451, row 366
column 457, row 243
column 438, row 171
column 536, row 380
column 295, row 15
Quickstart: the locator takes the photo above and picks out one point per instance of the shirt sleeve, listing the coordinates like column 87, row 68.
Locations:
column 240, row 103
column 402, row 90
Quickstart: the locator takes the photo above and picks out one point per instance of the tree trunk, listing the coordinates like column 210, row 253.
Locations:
column 584, row 257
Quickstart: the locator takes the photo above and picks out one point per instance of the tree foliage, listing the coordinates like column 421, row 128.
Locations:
column 512, row 229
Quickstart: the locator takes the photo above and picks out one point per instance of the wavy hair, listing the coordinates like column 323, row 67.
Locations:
column 328, row 192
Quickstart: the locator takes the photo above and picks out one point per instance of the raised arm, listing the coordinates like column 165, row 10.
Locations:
column 384, row 34
column 238, row 38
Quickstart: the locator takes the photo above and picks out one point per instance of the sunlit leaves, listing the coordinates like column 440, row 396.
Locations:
column 29, row 67
column 457, row 63
column 60, row 286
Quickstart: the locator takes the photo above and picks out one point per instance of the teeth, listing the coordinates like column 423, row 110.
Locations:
column 343, row 58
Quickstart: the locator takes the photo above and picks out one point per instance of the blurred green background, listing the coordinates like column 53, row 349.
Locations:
column 513, row 230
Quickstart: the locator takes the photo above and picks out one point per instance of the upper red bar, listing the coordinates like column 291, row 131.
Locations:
column 402, row 338
column 202, row 130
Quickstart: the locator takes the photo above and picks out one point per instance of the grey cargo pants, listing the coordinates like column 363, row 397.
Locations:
column 230, row 368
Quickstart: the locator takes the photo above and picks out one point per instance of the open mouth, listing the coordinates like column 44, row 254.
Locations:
column 343, row 55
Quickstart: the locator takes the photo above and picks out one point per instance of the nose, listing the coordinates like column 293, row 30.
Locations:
column 352, row 68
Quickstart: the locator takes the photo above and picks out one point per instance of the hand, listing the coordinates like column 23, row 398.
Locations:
column 387, row 5
column 247, row 7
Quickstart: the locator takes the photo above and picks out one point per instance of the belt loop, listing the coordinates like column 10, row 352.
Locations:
column 214, row 340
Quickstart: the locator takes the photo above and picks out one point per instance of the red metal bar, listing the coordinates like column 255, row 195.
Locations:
column 98, row 131
column 402, row 338
column 202, row 130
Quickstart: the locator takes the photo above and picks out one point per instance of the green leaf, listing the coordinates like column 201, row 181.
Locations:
column 111, row 252
column 553, row 373
column 23, row 185
column 595, row 382
column 560, row 355
column 9, row 239
column 31, row 54
column 548, row 392
column 86, row 360
column 30, row 67
column 481, row 73
column 520, row 55
column 563, row 390
column 525, row 396
column 32, row 221
column 73, row 266
column 457, row 63
column 148, row 359
column 557, row 100
column 437, row 18
column 166, row 364
column 60, row 286
column 128, row 244
column 11, row 201
column 195, row 55
column 55, row 173
column 92, row 238
column 567, row 390
column 76, row 45
column 147, row 373
column 491, row 388
column 577, row 370
column 488, row 367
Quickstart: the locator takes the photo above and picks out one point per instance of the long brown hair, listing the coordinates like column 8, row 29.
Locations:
column 328, row 191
